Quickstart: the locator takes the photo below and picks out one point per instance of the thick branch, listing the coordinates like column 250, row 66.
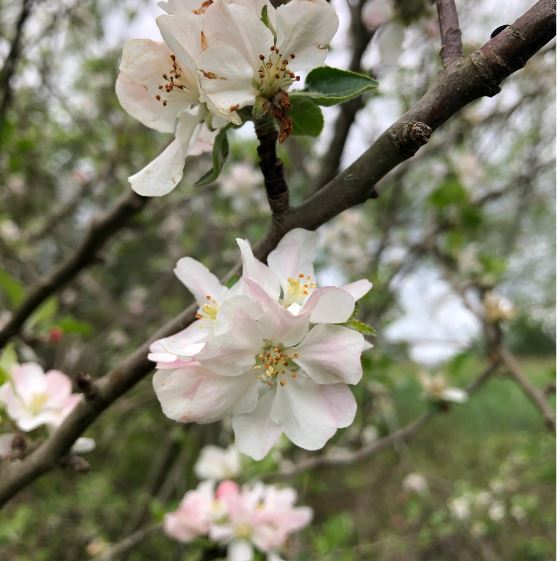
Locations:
column 271, row 167
column 100, row 231
column 474, row 77
column 451, row 36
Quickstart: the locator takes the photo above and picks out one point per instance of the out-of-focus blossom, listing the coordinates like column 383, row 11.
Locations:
column 239, row 518
column 218, row 463
column 376, row 13
column 389, row 41
column 436, row 388
column 241, row 184
column 33, row 398
column 415, row 483
column 460, row 507
column 84, row 445
column 497, row 511
column 497, row 308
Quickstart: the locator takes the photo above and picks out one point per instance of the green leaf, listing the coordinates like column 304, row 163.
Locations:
column 360, row 326
column 450, row 192
column 12, row 288
column 71, row 325
column 220, row 153
column 266, row 22
column 306, row 116
column 44, row 314
column 232, row 281
column 330, row 86
column 8, row 360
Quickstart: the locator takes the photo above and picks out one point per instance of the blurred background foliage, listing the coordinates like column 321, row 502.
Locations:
column 473, row 212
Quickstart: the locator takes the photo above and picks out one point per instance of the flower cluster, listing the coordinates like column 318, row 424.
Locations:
column 33, row 398
column 239, row 518
column 268, row 352
column 218, row 56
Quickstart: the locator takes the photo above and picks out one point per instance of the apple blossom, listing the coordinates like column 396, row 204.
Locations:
column 289, row 277
column 254, row 52
column 217, row 463
column 239, row 518
column 272, row 373
column 33, row 398
column 436, row 388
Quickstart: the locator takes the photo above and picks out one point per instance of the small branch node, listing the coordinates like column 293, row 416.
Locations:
column 86, row 385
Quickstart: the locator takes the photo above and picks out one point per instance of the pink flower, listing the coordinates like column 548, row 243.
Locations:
column 33, row 398
column 194, row 515
column 272, row 373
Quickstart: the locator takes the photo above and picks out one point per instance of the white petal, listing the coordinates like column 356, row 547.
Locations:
column 310, row 413
column 294, row 254
column 258, row 271
column 255, row 433
column 84, row 445
column 199, row 280
column 227, row 81
column 165, row 172
column 329, row 305
column 143, row 63
column 305, row 29
column 240, row 550
column 456, row 395
column 331, row 354
column 195, row 394
column 358, row 289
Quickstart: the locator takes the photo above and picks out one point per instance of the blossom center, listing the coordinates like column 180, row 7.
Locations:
column 173, row 80
column 274, row 74
column 276, row 364
column 37, row 402
column 209, row 310
column 242, row 531
column 298, row 290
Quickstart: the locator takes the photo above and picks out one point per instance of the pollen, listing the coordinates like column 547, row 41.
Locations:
column 209, row 310
column 274, row 74
column 274, row 364
column 298, row 290
column 172, row 80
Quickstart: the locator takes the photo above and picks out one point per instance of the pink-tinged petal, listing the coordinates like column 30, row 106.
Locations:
column 58, row 386
column 239, row 550
column 305, row 29
column 257, row 271
column 137, row 87
column 310, row 413
column 227, row 488
column 329, row 305
column 199, row 281
column 28, row 379
column 204, row 142
column 294, row 255
column 358, row 289
column 165, row 172
column 195, row 394
column 226, row 80
column 255, row 433
column 330, row 354
column 277, row 324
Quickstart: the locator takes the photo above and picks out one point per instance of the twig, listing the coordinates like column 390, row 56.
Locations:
column 100, row 231
column 451, row 36
column 127, row 543
column 271, row 167
column 12, row 59
column 531, row 392
column 478, row 75
column 353, row 456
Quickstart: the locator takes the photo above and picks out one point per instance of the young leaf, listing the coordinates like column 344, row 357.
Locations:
column 330, row 86
column 306, row 116
column 220, row 153
column 12, row 288
column 266, row 21
column 360, row 326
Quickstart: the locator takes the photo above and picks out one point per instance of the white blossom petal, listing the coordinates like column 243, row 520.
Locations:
column 358, row 289
column 165, row 172
column 330, row 305
column 255, row 433
column 310, row 413
column 258, row 271
column 331, row 354
column 294, row 254
column 199, row 280
column 240, row 550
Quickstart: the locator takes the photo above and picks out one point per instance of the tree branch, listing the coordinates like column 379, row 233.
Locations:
column 476, row 76
column 100, row 231
column 451, row 36
column 272, row 167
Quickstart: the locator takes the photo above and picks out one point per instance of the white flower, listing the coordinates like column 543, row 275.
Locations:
column 435, row 387
column 460, row 508
column 246, row 59
column 497, row 308
column 497, row 511
column 218, row 463
column 415, row 483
